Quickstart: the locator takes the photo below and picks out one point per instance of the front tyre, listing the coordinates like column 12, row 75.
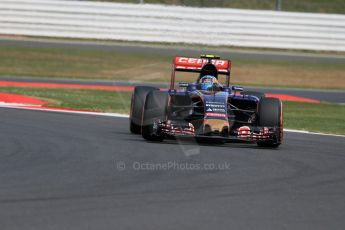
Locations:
column 155, row 111
column 271, row 115
column 137, row 106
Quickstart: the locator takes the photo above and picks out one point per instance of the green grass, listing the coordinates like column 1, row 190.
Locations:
column 99, row 100
column 76, row 63
column 88, row 63
column 318, row 6
column 327, row 118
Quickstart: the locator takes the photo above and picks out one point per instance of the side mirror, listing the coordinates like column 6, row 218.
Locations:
column 237, row 88
column 183, row 84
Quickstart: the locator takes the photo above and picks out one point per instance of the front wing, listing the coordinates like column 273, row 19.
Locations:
column 243, row 133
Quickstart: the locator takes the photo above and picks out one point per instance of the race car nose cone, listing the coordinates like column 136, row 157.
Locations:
column 215, row 126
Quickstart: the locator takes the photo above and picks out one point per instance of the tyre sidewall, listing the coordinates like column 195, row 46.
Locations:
column 155, row 110
column 137, row 105
column 271, row 115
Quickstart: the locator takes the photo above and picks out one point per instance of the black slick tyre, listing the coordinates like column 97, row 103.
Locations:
column 271, row 115
column 137, row 106
column 155, row 110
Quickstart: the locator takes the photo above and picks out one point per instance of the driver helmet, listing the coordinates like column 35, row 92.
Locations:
column 207, row 82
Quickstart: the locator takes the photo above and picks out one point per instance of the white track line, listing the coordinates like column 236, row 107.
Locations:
column 20, row 106
column 313, row 133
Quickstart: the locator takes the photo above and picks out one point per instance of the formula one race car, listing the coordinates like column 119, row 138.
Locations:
column 206, row 109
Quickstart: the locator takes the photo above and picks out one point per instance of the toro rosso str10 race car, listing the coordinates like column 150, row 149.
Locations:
column 206, row 109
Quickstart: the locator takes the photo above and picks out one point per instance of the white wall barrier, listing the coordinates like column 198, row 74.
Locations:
column 158, row 23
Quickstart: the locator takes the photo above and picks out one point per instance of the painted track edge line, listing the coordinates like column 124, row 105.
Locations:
column 127, row 116
column 45, row 109
column 312, row 133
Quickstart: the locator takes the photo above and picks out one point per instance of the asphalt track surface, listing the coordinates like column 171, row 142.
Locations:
column 175, row 50
column 63, row 171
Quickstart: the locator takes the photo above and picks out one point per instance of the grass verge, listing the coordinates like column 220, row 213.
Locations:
column 99, row 100
column 327, row 118
column 85, row 63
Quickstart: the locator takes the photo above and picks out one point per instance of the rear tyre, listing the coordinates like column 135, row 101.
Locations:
column 155, row 111
column 271, row 115
column 253, row 93
column 137, row 105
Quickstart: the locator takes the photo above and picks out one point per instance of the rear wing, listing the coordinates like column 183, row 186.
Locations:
column 186, row 64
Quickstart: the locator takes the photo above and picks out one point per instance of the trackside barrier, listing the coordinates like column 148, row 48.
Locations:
column 172, row 24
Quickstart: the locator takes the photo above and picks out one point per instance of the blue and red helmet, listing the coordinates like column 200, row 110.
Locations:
column 207, row 82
